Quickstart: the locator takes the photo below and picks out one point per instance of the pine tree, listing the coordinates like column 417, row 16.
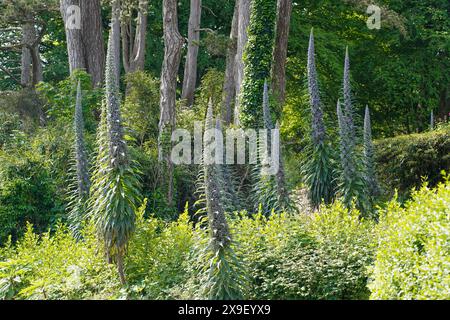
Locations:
column 317, row 168
column 116, row 187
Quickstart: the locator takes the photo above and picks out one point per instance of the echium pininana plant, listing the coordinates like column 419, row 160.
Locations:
column 257, row 61
column 224, row 279
column 80, row 193
column 317, row 168
column 116, row 195
column 351, row 186
column 348, row 102
column 369, row 161
column 269, row 191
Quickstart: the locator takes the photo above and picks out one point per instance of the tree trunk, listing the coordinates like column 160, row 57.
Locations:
column 229, row 86
column 37, row 64
column 280, row 52
column 173, row 43
column 444, row 108
column 31, row 64
column 92, row 37
column 115, row 25
column 75, row 50
column 85, row 47
column 133, row 40
column 27, row 37
column 190, row 68
column 244, row 20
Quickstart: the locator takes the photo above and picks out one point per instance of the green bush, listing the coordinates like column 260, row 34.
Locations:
column 403, row 161
column 413, row 255
column 324, row 256
column 10, row 125
column 27, row 194
column 56, row 267
column 283, row 257
column 141, row 107
column 157, row 260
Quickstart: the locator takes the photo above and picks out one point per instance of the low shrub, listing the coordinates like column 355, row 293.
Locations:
column 56, row 266
column 413, row 255
column 27, row 194
column 283, row 257
column 323, row 256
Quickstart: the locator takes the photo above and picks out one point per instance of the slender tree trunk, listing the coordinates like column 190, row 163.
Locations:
column 173, row 43
column 134, row 40
column 27, row 37
column 244, row 20
column 31, row 64
column 85, row 47
column 190, row 68
column 115, row 25
column 280, row 51
column 37, row 64
column 92, row 37
column 229, row 86
column 75, row 48
column 444, row 108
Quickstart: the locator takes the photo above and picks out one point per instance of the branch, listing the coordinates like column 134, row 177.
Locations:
column 13, row 77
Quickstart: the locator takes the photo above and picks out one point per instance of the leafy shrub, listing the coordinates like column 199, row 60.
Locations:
column 157, row 259
column 283, row 257
column 59, row 99
column 141, row 107
column 296, row 257
column 27, row 194
column 25, row 103
column 56, row 267
column 403, row 161
column 413, row 255
column 10, row 124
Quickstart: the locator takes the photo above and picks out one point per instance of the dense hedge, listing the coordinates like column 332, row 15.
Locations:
column 413, row 256
column 403, row 161
column 284, row 257
column 330, row 255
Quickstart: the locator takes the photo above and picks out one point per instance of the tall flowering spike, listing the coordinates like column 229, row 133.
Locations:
column 116, row 185
column 224, row 280
column 318, row 127
column 347, row 91
column 266, row 108
column 117, row 145
column 347, row 163
column 369, row 162
column 82, row 163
